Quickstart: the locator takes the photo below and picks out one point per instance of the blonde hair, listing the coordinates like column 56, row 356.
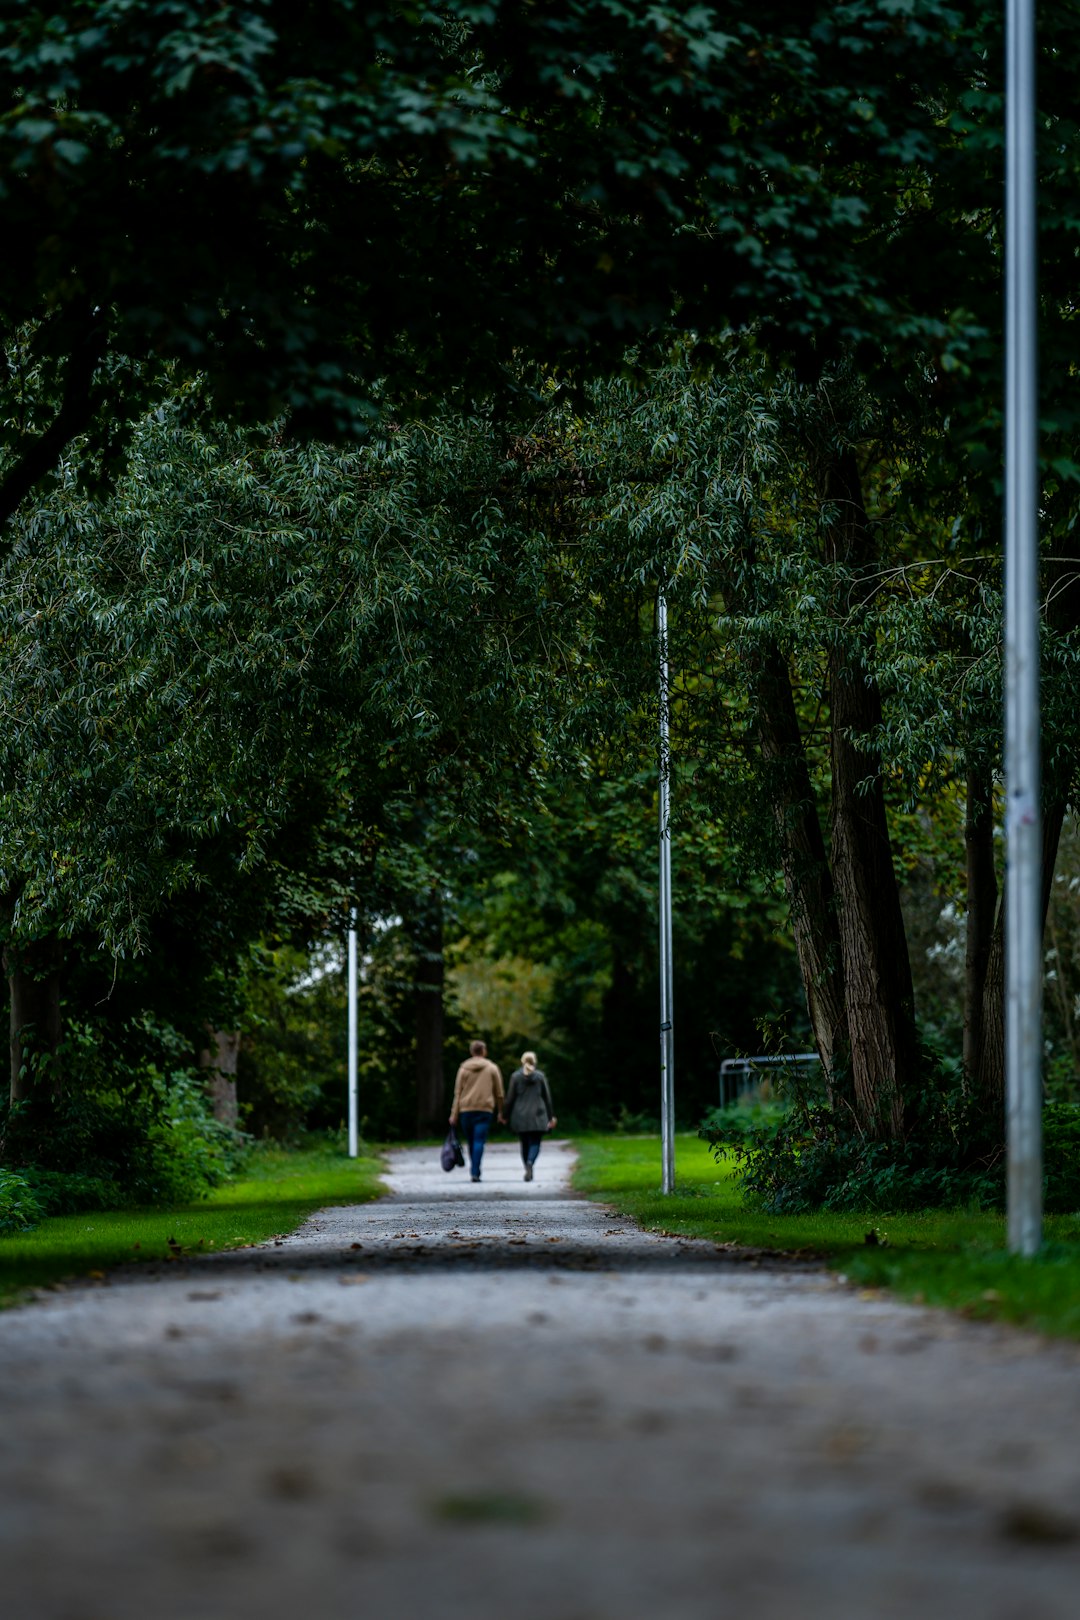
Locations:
column 528, row 1061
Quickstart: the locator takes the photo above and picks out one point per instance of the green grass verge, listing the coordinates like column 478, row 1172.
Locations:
column 954, row 1258
column 275, row 1193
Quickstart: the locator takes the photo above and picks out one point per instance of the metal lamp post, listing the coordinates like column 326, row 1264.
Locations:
column 667, row 1034
column 1023, row 883
column 352, row 972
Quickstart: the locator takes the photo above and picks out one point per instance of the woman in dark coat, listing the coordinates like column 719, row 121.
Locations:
column 528, row 1109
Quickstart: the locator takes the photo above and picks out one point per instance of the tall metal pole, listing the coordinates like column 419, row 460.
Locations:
column 667, row 1033
column 354, row 1144
column 1023, row 883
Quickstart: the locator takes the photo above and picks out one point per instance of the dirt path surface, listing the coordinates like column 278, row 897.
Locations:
column 476, row 1402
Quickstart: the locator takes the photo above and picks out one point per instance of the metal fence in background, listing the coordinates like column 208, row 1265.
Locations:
column 740, row 1075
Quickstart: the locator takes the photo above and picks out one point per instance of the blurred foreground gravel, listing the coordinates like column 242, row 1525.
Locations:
column 476, row 1402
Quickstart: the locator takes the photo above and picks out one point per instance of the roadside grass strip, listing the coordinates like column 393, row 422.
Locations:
column 950, row 1257
column 275, row 1194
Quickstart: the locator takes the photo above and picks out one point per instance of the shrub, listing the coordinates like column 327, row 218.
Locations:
column 188, row 1151
column 1061, row 1157
column 19, row 1208
column 954, row 1154
column 68, row 1193
column 134, row 1126
column 738, row 1121
column 813, row 1160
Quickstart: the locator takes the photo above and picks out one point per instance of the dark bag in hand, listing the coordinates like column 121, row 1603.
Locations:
column 451, row 1154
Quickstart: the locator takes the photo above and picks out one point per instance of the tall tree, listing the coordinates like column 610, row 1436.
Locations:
column 226, row 679
column 769, row 508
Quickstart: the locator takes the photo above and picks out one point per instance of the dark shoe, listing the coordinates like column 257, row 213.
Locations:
column 528, row 1172
column 476, row 1178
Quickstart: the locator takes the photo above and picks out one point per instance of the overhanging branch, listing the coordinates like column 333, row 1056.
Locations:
column 74, row 416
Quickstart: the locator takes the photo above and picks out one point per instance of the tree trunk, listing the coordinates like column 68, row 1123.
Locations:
column 431, row 1106
column 807, row 878
column 989, row 1077
column 873, row 941
column 981, row 907
column 219, row 1059
column 33, row 972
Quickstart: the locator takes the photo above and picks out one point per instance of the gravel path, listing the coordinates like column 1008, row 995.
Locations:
column 476, row 1402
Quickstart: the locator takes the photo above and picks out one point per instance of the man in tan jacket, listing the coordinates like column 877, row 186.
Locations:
column 478, row 1097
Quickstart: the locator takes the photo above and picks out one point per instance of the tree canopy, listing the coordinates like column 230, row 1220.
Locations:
column 370, row 368
column 320, row 207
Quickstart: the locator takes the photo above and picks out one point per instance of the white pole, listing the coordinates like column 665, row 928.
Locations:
column 667, row 1034
column 1023, row 882
column 354, row 1144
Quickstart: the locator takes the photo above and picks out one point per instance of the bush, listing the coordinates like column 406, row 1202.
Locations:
column 809, row 1158
column 134, row 1126
column 739, row 1121
column 813, row 1157
column 67, row 1193
column 188, row 1151
column 813, row 1160
column 1061, row 1157
column 19, row 1208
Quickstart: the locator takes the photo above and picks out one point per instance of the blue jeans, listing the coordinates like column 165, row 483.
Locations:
column 475, row 1124
column 530, row 1145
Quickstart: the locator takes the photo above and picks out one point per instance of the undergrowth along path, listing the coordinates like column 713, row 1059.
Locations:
column 275, row 1192
column 472, row 1401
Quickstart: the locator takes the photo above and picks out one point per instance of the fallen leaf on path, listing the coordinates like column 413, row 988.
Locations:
column 1038, row 1522
column 845, row 1443
column 292, row 1483
column 359, row 1277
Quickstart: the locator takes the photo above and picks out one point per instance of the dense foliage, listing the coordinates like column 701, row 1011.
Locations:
column 808, row 1157
column 136, row 1126
column 253, row 637
column 388, row 657
column 299, row 201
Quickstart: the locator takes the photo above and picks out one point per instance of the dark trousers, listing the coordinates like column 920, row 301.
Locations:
column 530, row 1145
column 475, row 1124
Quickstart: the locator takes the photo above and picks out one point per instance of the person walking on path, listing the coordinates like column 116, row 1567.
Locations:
column 478, row 1097
column 529, row 1110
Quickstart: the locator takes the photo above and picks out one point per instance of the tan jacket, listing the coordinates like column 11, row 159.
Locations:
column 478, row 1086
